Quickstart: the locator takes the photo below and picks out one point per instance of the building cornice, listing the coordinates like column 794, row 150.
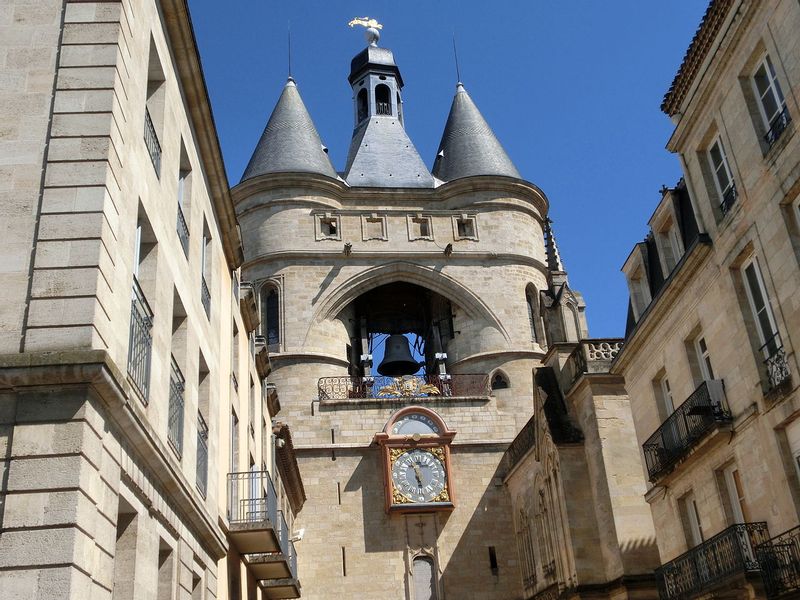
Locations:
column 673, row 287
column 699, row 47
column 338, row 190
column 95, row 370
column 178, row 24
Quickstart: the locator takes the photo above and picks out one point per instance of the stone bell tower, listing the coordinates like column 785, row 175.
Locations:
column 405, row 474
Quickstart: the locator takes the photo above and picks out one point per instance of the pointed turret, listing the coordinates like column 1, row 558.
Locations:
column 469, row 146
column 381, row 153
column 290, row 142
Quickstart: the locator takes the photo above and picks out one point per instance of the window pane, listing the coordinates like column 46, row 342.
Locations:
column 770, row 105
column 774, row 80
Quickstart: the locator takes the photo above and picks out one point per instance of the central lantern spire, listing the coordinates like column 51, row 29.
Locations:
column 381, row 153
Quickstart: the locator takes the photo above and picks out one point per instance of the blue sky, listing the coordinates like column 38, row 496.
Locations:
column 572, row 89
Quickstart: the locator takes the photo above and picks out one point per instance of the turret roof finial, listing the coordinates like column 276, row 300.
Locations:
column 372, row 33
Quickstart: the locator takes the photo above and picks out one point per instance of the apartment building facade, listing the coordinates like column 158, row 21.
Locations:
column 140, row 455
column 709, row 359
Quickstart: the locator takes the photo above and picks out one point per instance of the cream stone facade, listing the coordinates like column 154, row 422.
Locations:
column 379, row 382
column 126, row 338
column 461, row 260
column 709, row 359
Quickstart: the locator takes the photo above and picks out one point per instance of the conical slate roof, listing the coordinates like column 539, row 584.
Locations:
column 290, row 142
column 469, row 146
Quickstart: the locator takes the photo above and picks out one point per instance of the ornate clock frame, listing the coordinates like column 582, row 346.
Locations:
column 393, row 446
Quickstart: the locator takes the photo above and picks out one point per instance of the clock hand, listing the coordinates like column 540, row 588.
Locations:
column 417, row 472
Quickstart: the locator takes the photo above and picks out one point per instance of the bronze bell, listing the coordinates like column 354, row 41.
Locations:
column 397, row 359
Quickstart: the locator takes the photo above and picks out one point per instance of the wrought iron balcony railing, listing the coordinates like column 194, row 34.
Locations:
column 183, row 231
column 458, row 385
column 177, row 386
column 205, row 296
column 152, row 143
column 729, row 197
column 777, row 126
column 251, row 498
column 286, row 544
column 140, row 342
column 202, row 455
column 383, row 108
column 684, row 428
column 775, row 362
column 730, row 553
column 779, row 559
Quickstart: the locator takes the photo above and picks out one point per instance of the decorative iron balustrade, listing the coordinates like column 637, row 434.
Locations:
column 779, row 559
column 458, row 385
column 777, row 126
column 383, row 108
column 252, row 498
column 152, row 143
column 205, row 296
column 729, row 197
column 183, row 231
column 524, row 441
column 177, row 385
column 731, row 552
column 202, row 456
column 140, row 342
column 680, row 432
column 776, row 365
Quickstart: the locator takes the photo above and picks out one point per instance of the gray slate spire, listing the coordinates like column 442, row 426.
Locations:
column 469, row 146
column 381, row 153
column 290, row 142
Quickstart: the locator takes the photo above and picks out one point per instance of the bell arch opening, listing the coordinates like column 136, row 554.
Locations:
column 403, row 326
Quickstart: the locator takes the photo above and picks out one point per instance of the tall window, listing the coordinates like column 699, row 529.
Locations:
column 691, row 520
column 777, row 367
column 723, row 179
column 270, row 318
column 703, row 358
column 735, row 491
column 205, row 266
column 526, row 552
column 154, row 107
column 424, row 579
column 533, row 312
column 234, row 442
column 666, row 396
column 771, row 102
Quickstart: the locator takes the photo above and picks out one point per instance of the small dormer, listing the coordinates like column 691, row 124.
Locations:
column 636, row 273
column 665, row 225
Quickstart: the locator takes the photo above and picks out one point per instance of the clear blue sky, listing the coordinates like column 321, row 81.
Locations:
column 572, row 90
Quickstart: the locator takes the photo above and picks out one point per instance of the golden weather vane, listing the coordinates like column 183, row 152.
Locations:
column 372, row 28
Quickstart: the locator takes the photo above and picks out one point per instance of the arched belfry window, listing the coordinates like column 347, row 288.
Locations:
column 383, row 99
column 270, row 316
column 424, row 579
column 361, row 104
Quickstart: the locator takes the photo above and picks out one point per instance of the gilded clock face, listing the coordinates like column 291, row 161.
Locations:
column 419, row 475
column 415, row 423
